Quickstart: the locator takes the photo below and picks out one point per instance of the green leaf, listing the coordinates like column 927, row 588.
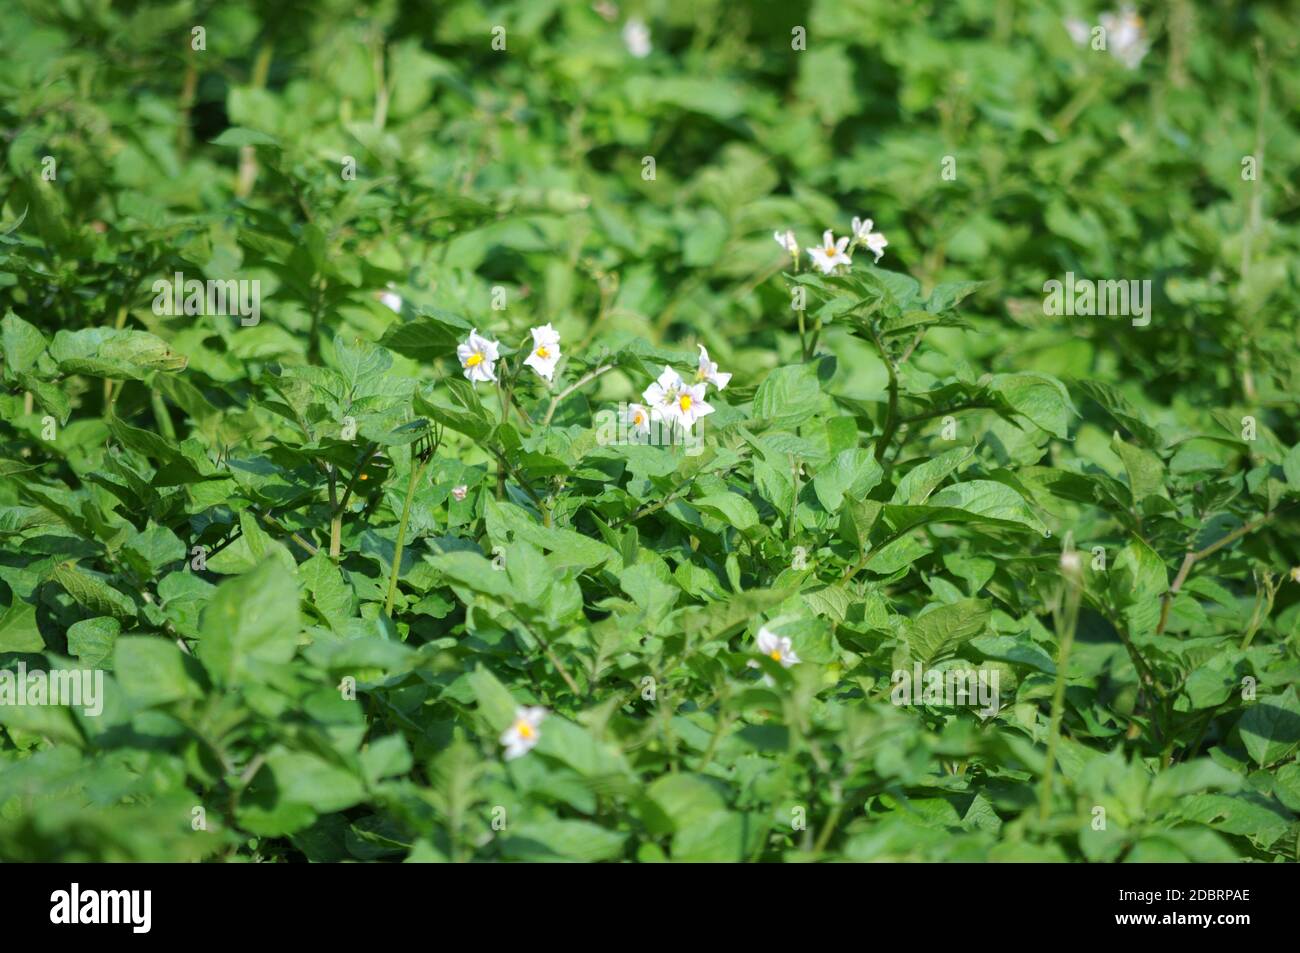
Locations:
column 153, row 671
column 495, row 703
column 18, row 631
column 788, row 395
column 249, row 619
column 854, row 472
column 114, row 353
column 923, row 479
column 428, row 337
column 732, row 508
column 93, row 593
column 1040, row 397
column 92, row 640
column 938, row 632
column 1270, row 727
column 1146, row 472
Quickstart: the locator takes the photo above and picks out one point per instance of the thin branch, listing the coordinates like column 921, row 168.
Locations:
column 580, row 382
column 1192, row 558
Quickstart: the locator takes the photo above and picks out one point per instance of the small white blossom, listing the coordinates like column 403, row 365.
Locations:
column 636, row 37
column 478, row 357
column 661, row 396
column 1124, row 32
column 776, row 647
column 638, row 418
column 691, row 406
column 708, row 371
column 1078, row 29
column 831, row 253
column 391, row 300
column 523, row 733
column 1126, row 36
column 459, row 491
column 863, row 235
column 546, row 351
column 787, row 241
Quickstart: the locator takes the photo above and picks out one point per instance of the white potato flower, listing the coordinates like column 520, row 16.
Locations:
column 459, row 492
column 478, row 357
column 787, row 241
column 391, row 300
column 776, row 647
column 691, row 405
column 546, row 351
column 524, row 732
column 831, row 253
column 1078, row 29
column 708, row 371
column 638, row 418
column 863, row 235
column 636, row 37
column 661, row 396
column 1126, row 36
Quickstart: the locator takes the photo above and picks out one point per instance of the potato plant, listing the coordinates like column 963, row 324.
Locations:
column 466, row 432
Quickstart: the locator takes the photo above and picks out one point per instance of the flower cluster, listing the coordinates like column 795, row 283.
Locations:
column 672, row 400
column 832, row 252
column 478, row 355
column 1122, row 33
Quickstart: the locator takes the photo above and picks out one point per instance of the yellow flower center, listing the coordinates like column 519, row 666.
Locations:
column 474, row 360
column 638, row 419
column 831, row 251
column 525, row 729
column 775, row 655
column 543, row 353
column 685, row 402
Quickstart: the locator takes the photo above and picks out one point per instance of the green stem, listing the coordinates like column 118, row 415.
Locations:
column 1066, row 621
column 580, row 382
column 417, row 469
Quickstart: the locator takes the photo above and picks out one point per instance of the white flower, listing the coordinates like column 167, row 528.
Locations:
column 1125, row 36
column 1078, row 29
column 691, row 406
column 478, row 357
column 1071, row 564
column 1122, row 32
column 776, row 647
column 831, row 253
column 523, row 732
column 546, row 351
column 392, row 300
column 708, row 371
column 787, row 241
column 862, row 234
column 638, row 418
column 1295, row 573
column 662, row 395
column 636, row 37
column 459, row 491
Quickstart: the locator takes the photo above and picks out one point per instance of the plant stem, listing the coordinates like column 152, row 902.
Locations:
column 417, row 469
column 580, row 382
column 891, row 412
column 1193, row 557
column 1066, row 621
column 336, row 515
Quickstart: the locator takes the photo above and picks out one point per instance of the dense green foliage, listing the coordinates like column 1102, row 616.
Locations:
column 323, row 570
